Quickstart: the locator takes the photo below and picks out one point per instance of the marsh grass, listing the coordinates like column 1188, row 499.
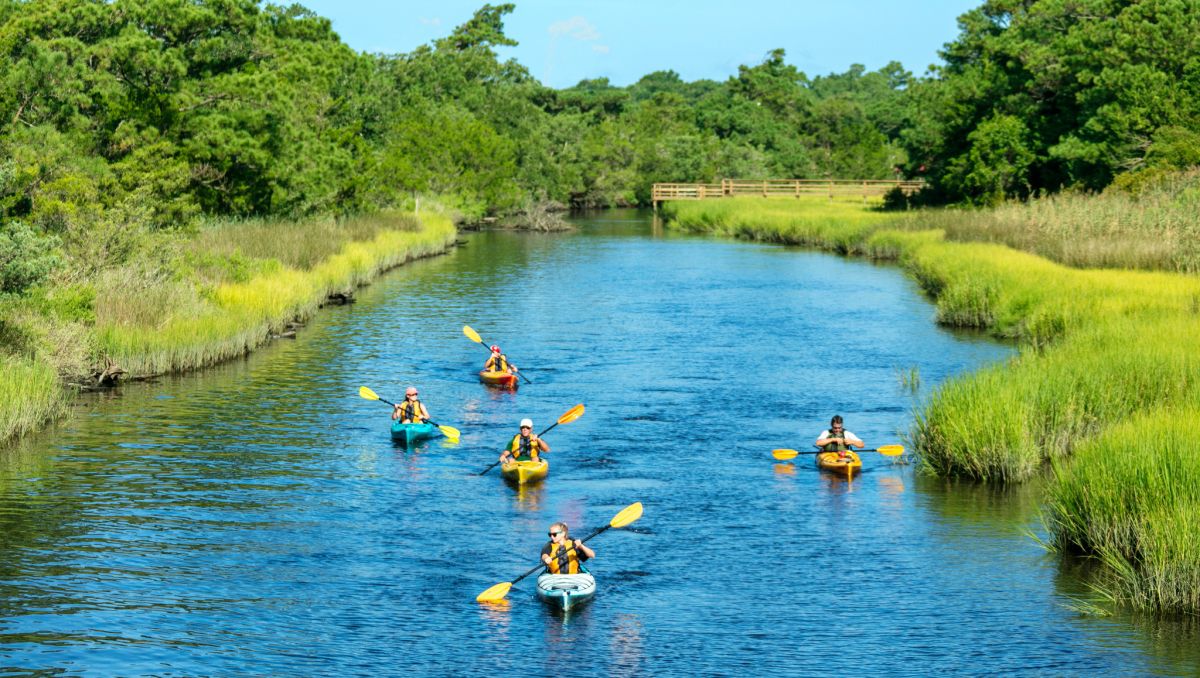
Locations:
column 299, row 245
column 30, row 394
column 1131, row 497
column 1152, row 228
column 152, row 326
column 838, row 225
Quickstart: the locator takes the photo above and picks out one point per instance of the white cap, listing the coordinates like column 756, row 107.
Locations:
column 526, row 422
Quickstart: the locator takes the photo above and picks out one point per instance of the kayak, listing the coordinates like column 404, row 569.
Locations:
column 565, row 591
column 412, row 433
column 846, row 466
column 501, row 379
column 523, row 472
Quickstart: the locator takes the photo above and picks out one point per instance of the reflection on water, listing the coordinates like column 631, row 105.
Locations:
column 256, row 519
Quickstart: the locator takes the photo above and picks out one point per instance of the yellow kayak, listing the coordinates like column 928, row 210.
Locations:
column 846, row 466
column 524, row 472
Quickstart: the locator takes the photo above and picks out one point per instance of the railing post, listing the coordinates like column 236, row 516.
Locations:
column 764, row 188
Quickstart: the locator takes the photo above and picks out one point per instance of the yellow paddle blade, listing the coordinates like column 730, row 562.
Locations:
column 472, row 335
column 571, row 414
column 891, row 450
column 450, row 432
column 367, row 393
column 494, row 594
column 784, row 454
column 627, row 515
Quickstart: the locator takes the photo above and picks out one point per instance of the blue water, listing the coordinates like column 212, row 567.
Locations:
column 255, row 519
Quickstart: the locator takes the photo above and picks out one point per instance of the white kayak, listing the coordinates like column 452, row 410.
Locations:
column 566, row 591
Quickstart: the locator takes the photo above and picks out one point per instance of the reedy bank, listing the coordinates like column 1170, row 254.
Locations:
column 1106, row 385
column 191, row 302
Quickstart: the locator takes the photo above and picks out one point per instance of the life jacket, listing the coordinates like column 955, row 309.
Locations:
column 497, row 363
column 836, row 446
column 524, row 449
column 410, row 412
column 563, row 557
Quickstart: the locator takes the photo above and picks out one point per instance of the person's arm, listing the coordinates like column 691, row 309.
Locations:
column 854, row 440
column 395, row 412
column 583, row 548
column 824, row 439
column 424, row 412
column 546, row 555
column 541, row 443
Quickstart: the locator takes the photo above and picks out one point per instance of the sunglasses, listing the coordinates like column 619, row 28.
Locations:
column 554, row 534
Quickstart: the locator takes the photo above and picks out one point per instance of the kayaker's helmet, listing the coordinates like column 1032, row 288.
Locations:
column 495, row 348
column 526, row 423
column 411, row 390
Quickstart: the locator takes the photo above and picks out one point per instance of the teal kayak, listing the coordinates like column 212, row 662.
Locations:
column 413, row 433
column 566, row 591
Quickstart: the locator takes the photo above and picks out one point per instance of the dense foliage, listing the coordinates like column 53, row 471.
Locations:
column 124, row 118
column 1037, row 95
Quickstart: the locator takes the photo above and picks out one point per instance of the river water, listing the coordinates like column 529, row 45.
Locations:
column 255, row 519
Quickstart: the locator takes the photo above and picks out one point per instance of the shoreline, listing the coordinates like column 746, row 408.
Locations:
column 1106, row 356
column 230, row 319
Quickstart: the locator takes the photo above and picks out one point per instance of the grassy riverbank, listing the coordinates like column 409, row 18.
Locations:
column 1106, row 385
column 190, row 301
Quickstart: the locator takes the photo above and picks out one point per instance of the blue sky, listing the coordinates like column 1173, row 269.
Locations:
column 564, row 41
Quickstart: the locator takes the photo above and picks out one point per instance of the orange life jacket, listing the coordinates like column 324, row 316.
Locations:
column 563, row 556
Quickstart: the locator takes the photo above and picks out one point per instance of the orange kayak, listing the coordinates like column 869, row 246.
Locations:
column 500, row 379
column 846, row 466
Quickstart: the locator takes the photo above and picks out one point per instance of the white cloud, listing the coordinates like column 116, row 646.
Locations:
column 577, row 28
column 435, row 21
column 601, row 49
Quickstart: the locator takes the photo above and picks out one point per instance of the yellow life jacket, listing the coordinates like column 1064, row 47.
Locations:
column 524, row 449
column 561, row 556
column 410, row 411
column 497, row 363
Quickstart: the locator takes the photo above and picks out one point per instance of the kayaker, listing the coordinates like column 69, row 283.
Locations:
column 562, row 554
column 498, row 362
column 525, row 446
column 411, row 411
column 837, row 438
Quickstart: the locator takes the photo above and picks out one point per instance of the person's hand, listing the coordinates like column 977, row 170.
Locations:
column 533, row 437
column 578, row 544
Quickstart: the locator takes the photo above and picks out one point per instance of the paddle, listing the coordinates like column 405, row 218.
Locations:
column 567, row 417
column 784, row 454
column 474, row 336
column 449, row 431
column 496, row 593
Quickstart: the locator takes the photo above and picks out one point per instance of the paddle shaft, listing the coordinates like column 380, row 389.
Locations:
column 539, row 453
column 429, row 421
column 543, row 565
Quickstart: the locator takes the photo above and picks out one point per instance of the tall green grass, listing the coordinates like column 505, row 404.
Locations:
column 1150, row 225
column 30, row 394
column 176, row 325
column 840, row 225
column 1131, row 497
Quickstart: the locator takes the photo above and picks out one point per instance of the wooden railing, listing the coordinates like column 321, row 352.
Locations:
column 779, row 188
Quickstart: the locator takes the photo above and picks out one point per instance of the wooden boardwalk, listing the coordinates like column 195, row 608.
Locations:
column 782, row 188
